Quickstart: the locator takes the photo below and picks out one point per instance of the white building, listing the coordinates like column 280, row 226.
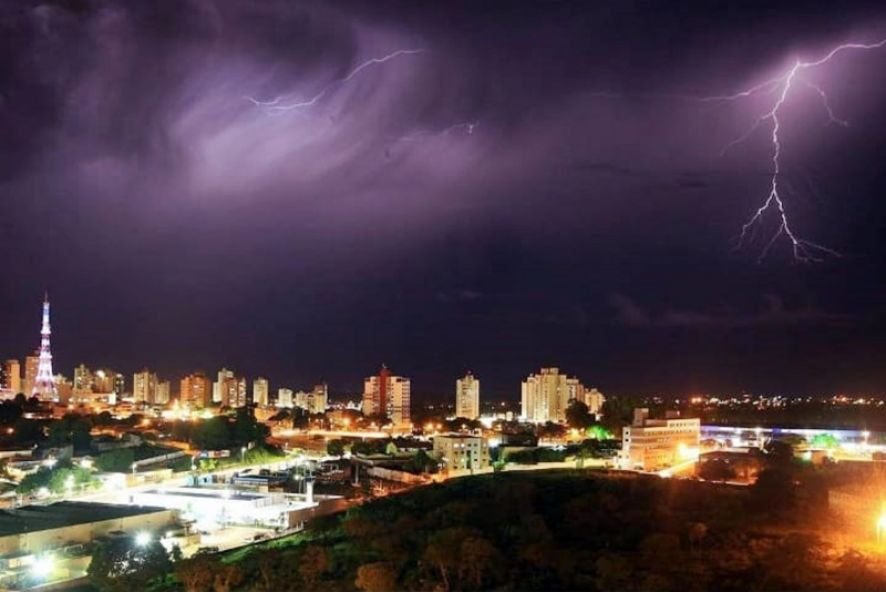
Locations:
column 260, row 392
column 218, row 387
column 388, row 395
column 284, row 397
column 545, row 396
column 656, row 444
column 319, row 399
column 467, row 397
column 460, row 452
column 161, row 395
column 144, row 387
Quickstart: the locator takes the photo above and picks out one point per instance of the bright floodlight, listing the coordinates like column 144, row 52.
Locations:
column 42, row 566
column 142, row 539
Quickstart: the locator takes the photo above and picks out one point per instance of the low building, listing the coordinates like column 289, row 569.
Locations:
column 32, row 533
column 459, row 452
column 656, row 444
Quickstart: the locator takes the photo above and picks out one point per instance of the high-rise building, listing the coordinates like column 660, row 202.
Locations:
column 13, row 376
column 218, row 387
column 233, row 391
column 32, row 363
column 594, row 399
column 102, row 381
column 318, row 399
column 83, row 379
column 300, row 399
column 467, row 397
column 388, row 395
column 284, row 397
column 195, row 390
column 44, row 382
column 161, row 395
column 144, row 387
column 260, row 392
column 119, row 384
column 546, row 395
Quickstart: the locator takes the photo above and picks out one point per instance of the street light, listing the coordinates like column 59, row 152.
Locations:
column 142, row 539
column 243, row 454
column 42, row 567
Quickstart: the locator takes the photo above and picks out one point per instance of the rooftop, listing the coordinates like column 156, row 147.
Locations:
column 36, row 518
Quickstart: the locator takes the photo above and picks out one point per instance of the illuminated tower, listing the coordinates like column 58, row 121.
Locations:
column 44, row 384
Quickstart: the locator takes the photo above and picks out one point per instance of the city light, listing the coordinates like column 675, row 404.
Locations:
column 42, row 566
column 142, row 539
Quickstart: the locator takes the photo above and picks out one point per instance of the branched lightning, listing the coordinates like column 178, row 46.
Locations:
column 803, row 250
column 279, row 105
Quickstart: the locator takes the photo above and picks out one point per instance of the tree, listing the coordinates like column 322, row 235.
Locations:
column 213, row 434
column 118, row 460
column 479, row 559
column 120, row 565
column 227, row 576
column 197, row 573
column 376, row 577
column 773, row 490
column 336, row 447
column 578, row 415
column 313, row 564
column 614, row 573
column 716, row 470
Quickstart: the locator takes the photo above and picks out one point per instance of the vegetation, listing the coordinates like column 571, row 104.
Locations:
column 57, row 479
column 121, row 565
column 551, row 531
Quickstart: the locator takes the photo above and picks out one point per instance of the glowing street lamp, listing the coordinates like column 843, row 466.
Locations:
column 42, row 567
column 143, row 539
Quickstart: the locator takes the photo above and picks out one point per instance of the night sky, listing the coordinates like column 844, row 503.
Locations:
column 539, row 185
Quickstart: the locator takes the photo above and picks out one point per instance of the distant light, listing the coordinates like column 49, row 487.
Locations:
column 86, row 463
column 50, row 462
column 42, row 566
column 142, row 539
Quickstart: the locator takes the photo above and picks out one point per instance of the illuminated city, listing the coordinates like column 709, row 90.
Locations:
column 383, row 295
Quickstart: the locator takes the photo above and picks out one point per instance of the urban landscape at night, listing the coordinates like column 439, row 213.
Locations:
column 383, row 295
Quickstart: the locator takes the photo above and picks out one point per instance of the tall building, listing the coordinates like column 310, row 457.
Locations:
column 195, row 390
column 144, row 387
column 388, row 395
column 32, row 363
column 318, row 399
column 467, row 397
column 102, row 381
column 119, row 384
column 260, row 392
column 656, row 444
column 13, row 376
column 284, row 397
column 233, row 391
column 218, row 394
column 594, row 399
column 83, row 379
column 44, row 383
column 161, row 395
column 546, row 395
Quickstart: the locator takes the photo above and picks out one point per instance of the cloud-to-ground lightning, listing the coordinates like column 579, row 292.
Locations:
column 803, row 250
column 278, row 105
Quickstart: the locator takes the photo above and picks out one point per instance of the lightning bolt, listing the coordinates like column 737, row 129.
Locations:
column 782, row 86
column 277, row 105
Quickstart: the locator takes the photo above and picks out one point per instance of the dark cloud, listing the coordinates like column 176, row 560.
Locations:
column 531, row 159
column 631, row 314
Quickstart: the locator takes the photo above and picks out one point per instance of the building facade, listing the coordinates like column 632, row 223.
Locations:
column 461, row 452
column 657, row 444
column 467, row 397
column 144, row 387
column 31, row 365
column 388, row 395
column 545, row 396
column 161, row 395
column 196, row 390
column 260, row 392
column 594, row 399
column 13, row 376
column 284, row 397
